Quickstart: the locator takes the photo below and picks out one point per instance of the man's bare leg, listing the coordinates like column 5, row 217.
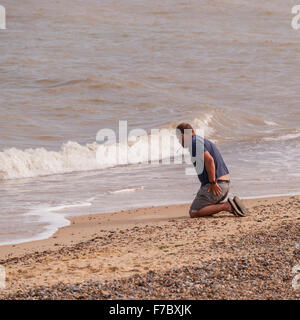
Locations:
column 210, row 210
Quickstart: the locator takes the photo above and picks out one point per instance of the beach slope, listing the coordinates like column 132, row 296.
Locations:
column 160, row 253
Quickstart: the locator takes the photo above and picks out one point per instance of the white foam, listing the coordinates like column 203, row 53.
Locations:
column 290, row 136
column 204, row 124
column 161, row 144
column 126, row 190
column 50, row 219
column 271, row 123
column 16, row 164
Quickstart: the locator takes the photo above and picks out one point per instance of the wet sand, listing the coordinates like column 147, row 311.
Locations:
column 160, row 252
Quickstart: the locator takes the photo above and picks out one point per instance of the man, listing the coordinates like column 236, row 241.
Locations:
column 212, row 173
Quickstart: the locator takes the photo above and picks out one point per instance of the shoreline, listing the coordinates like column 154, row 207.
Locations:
column 68, row 235
column 117, row 246
column 69, row 219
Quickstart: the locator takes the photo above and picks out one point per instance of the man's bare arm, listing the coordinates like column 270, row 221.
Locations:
column 211, row 171
column 210, row 166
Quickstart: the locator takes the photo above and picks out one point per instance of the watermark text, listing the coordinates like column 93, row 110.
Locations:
column 2, row 18
column 2, row 277
column 296, row 19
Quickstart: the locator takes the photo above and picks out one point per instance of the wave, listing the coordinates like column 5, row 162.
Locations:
column 72, row 157
column 202, row 122
column 126, row 190
column 158, row 145
column 90, row 82
column 50, row 219
column 271, row 123
column 285, row 137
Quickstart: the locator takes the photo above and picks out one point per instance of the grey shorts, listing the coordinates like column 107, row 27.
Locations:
column 205, row 198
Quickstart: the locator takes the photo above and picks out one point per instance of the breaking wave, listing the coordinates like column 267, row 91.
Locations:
column 74, row 157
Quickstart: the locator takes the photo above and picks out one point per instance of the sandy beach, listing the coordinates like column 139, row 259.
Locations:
column 160, row 253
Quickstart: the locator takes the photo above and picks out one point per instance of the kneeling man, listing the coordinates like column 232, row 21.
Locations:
column 212, row 173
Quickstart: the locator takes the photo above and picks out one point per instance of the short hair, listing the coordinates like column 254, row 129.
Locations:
column 184, row 126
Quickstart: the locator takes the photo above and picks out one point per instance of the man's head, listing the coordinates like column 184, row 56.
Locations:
column 184, row 133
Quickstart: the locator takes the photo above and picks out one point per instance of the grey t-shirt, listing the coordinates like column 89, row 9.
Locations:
column 197, row 148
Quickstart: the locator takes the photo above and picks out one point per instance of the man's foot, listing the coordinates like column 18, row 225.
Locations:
column 241, row 206
column 234, row 209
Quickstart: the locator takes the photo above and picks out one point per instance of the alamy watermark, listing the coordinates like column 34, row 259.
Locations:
column 296, row 19
column 2, row 18
column 160, row 146
column 2, row 277
column 296, row 279
column 296, row 274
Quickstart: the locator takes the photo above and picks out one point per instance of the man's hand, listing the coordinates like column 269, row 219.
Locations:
column 215, row 189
